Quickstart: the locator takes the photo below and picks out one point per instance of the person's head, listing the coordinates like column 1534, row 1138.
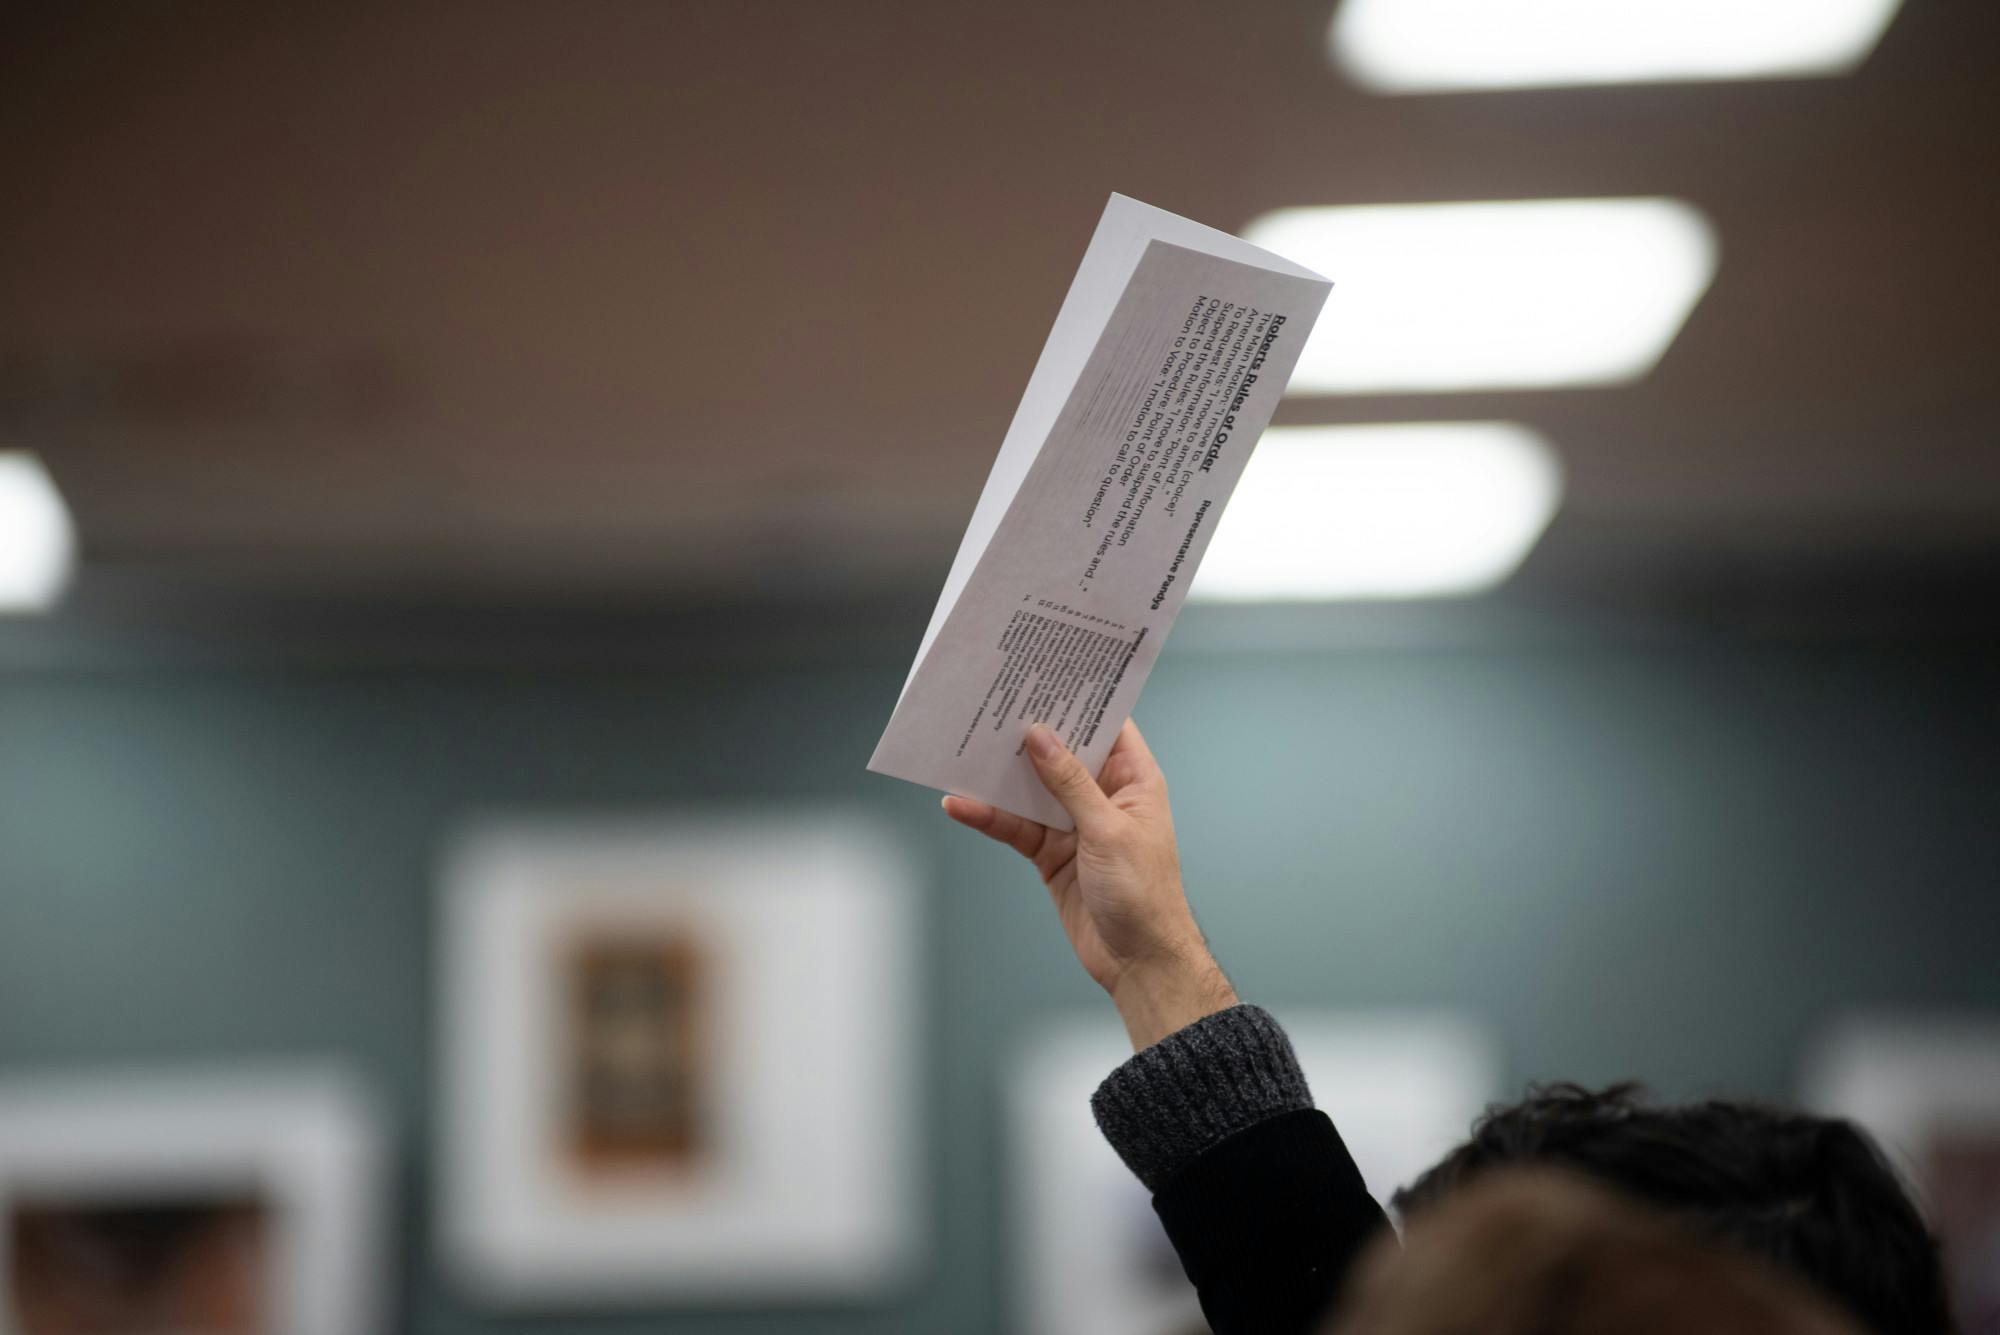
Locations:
column 1811, row 1194
column 1542, row 1253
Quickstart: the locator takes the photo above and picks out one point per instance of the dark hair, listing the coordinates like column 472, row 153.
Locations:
column 1812, row 1194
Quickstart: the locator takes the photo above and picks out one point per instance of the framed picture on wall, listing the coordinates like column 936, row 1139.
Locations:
column 238, row 1202
column 677, row 1059
column 1929, row 1090
column 1092, row 1257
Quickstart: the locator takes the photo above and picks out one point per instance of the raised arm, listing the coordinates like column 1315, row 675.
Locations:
column 1259, row 1196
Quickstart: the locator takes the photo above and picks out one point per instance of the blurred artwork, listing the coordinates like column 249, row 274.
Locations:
column 1929, row 1090
column 677, row 1061
column 190, row 1266
column 1402, row 1087
column 228, row 1202
column 635, row 1037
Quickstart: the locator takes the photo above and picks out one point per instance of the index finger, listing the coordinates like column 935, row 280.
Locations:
column 1024, row 836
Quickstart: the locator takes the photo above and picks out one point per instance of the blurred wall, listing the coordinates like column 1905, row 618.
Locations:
column 1666, row 859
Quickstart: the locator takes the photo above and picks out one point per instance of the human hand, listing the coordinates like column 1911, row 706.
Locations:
column 1116, row 882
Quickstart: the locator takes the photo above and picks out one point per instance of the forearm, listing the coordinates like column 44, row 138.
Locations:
column 1163, row 995
column 1258, row 1195
column 1269, row 1225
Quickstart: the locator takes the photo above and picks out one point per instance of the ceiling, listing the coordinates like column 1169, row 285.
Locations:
column 698, row 296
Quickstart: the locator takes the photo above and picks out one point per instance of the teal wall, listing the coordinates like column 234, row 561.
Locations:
column 1670, row 860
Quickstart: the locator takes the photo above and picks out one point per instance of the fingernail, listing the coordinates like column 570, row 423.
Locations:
column 1042, row 742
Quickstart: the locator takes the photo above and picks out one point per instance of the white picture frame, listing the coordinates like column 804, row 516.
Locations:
column 801, row 1183
column 1927, row 1087
column 306, row 1144
column 1091, row 1256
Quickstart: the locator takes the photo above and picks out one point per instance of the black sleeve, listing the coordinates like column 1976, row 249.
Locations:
column 1268, row 1224
column 1259, row 1196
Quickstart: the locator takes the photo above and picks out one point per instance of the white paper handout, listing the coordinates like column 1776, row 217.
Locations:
column 1166, row 361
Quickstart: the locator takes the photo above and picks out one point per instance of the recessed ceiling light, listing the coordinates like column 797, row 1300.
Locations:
column 36, row 542
column 1410, row 46
column 1415, row 510
column 1503, row 295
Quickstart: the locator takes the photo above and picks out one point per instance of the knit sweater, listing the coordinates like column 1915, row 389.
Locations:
column 1258, row 1194
column 1196, row 1088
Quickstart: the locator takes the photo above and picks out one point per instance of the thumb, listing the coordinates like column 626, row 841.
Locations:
column 1067, row 780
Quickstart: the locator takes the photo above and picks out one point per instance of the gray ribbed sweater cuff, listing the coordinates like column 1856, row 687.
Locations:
column 1196, row 1087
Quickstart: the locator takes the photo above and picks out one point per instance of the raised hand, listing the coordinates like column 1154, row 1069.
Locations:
column 1115, row 881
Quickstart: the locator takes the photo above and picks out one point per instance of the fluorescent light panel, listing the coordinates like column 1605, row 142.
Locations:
column 1421, row 46
column 37, row 545
column 1415, row 510
column 1505, row 295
